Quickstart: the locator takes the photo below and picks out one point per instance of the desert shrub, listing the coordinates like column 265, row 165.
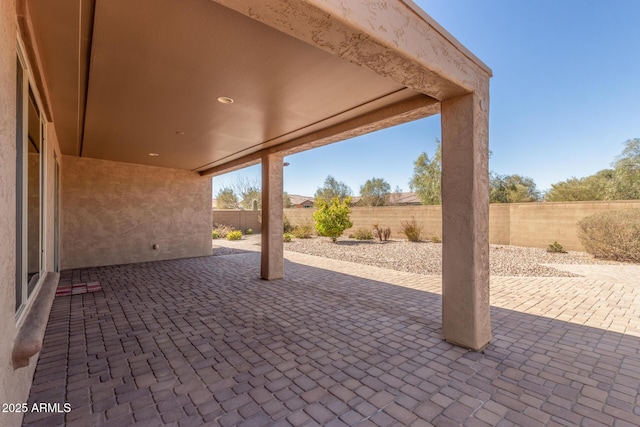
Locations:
column 234, row 235
column 382, row 233
column 412, row 230
column 214, row 234
column 287, row 227
column 613, row 235
column 556, row 248
column 332, row 218
column 363, row 234
column 286, row 237
column 248, row 231
column 436, row 239
column 221, row 230
column 302, row 231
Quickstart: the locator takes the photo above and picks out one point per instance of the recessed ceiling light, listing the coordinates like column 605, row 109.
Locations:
column 225, row 100
column 154, row 154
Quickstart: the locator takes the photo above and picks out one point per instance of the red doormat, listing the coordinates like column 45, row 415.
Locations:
column 79, row 288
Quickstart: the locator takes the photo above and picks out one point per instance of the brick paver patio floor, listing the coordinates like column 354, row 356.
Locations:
column 204, row 341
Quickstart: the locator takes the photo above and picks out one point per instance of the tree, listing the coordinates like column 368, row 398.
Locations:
column 627, row 172
column 332, row 218
column 620, row 183
column 512, row 189
column 333, row 188
column 427, row 177
column 595, row 187
column 247, row 190
column 286, row 200
column 375, row 192
column 226, row 199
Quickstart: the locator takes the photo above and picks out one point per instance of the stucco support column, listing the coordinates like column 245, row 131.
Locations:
column 465, row 221
column 272, row 264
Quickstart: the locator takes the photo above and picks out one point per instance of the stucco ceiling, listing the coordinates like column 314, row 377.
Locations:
column 129, row 78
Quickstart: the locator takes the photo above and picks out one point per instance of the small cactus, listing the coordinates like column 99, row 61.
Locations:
column 382, row 233
column 556, row 247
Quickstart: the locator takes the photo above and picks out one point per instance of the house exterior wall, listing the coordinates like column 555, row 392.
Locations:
column 114, row 212
column 15, row 383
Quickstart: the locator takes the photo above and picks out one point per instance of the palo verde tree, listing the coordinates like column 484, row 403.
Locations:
column 375, row 192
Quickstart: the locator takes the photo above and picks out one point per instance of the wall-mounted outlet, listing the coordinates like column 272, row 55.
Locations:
column 155, row 246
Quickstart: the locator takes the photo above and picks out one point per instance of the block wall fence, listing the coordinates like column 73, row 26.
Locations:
column 518, row 224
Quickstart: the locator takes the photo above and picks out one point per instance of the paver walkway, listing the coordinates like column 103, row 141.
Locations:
column 204, row 341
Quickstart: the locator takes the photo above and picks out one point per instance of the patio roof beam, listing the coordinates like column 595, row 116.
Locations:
column 395, row 114
column 394, row 39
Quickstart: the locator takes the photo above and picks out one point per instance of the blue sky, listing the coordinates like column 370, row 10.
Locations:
column 565, row 95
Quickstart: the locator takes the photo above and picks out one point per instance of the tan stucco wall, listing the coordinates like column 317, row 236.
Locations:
column 519, row 224
column 15, row 384
column 114, row 212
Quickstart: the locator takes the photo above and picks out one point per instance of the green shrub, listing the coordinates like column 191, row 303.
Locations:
column 613, row 235
column 214, row 234
column 382, row 233
column 436, row 239
column 302, row 231
column 332, row 218
column 412, row 230
column 286, row 237
column 248, row 231
column 556, row 248
column 234, row 235
column 363, row 234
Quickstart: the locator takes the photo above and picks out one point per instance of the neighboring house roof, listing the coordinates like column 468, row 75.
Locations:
column 300, row 200
column 395, row 199
column 296, row 200
column 404, row 199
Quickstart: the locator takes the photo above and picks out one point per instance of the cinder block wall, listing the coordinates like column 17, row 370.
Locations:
column 519, row 224
column 539, row 224
column 239, row 219
column 499, row 224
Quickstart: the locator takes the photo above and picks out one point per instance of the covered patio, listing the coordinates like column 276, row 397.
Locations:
column 204, row 341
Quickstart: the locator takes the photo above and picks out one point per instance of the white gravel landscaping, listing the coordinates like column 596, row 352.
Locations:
column 423, row 257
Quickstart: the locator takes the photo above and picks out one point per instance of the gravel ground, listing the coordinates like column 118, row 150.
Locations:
column 426, row 257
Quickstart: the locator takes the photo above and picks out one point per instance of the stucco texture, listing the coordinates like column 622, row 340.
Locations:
column 115, row 212
column 14, row 385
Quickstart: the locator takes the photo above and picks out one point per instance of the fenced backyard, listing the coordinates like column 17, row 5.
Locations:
column 518, row 224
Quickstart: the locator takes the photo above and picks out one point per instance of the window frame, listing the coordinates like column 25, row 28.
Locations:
column 25, row 83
